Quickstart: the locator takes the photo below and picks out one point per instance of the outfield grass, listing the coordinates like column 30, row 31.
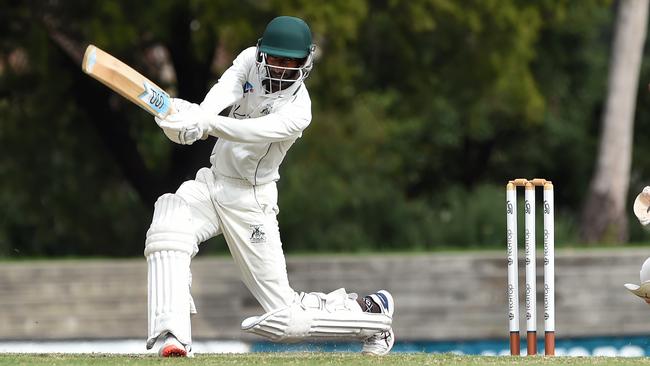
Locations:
column 270, row 359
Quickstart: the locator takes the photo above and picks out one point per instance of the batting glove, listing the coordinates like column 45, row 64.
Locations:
column 187, row 125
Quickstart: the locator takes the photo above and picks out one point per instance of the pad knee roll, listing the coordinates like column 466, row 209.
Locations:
column 171, row 226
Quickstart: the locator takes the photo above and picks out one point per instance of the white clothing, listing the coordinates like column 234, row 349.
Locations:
column 245, row 215
column 237, row 196
column 316, row 315
column 260, row 130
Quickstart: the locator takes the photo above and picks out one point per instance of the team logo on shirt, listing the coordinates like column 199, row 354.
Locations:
column 257, row 234
column 248, row 87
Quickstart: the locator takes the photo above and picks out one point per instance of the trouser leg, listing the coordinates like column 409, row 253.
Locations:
column 247, row 216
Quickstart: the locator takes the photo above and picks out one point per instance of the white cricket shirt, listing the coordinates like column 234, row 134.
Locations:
column 259, row 131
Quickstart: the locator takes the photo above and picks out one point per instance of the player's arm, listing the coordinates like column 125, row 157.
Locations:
column 229, row 88
column 224, row 93
column 287, row 123
column 283, row 125
column 191, row 125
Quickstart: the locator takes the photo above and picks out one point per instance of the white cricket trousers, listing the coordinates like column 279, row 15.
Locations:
column 246, row 216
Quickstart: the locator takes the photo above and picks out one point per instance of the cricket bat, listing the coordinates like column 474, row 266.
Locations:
column 127, row 82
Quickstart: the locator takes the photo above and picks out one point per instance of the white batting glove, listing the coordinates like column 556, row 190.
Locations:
column 642, row 206
column 187, row 125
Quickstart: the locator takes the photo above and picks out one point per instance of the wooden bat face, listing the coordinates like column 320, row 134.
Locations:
column 127, row 82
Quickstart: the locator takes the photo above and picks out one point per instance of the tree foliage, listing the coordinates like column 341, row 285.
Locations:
column 422, row 110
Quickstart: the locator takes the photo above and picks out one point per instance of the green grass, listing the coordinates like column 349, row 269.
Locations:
column 270, row 359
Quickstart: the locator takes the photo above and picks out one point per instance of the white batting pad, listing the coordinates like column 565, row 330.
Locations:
column 169, row 248
column 169, row 295
column 318, row 316
column 642, row 206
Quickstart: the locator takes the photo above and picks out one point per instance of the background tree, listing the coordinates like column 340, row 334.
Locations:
column 422, row 109
column 604, row 217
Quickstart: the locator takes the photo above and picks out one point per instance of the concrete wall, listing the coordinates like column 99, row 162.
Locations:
column 439, row 296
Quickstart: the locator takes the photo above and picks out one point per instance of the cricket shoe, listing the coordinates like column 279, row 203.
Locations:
column 171, row 347
column 382, row 342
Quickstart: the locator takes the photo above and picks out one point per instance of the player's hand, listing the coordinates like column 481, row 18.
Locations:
column 188, row 125
column 178, row 105
column 642, row 206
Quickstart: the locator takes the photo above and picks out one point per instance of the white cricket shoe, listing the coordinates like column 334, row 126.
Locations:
column 171, row 347
column 382, row 342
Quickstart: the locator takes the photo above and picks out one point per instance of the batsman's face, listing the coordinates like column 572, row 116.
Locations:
column 281, row 72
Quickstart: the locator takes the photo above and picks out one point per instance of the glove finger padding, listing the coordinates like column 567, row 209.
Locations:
column 642, row 206
column 172, row 134
column 183, row 127
column 183, row 137
column 191, row 135
column 181, row 105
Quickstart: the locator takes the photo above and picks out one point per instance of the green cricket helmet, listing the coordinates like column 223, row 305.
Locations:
column 285, row 37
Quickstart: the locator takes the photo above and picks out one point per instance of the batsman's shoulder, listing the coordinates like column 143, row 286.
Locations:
column 248, row 52
column 303, row 103
column 303, row 96
column 246, row 58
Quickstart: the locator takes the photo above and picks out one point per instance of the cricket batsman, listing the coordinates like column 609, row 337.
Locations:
column 237, row 198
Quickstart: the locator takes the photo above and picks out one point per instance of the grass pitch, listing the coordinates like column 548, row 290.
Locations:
column 270, row 359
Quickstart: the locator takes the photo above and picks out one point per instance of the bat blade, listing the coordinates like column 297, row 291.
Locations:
column 125, row 81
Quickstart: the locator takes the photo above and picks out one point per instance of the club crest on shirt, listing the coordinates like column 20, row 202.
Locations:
column 266, row 110
column 257, row 234
column 248, row 87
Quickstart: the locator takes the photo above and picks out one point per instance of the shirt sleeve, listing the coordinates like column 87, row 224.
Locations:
column 288, row 123
column 229, row 88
